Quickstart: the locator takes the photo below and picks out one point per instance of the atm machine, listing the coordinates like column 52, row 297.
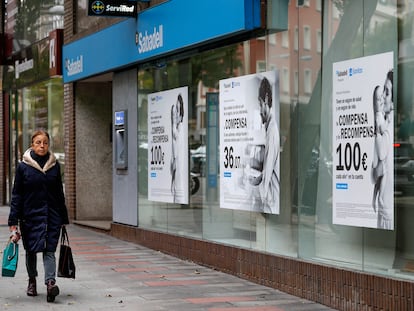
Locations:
column 121, row 140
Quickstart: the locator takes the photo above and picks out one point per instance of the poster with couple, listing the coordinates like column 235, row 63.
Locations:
column 250, row 143
column 363, row 134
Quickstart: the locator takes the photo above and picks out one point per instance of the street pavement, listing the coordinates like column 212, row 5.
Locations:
column 112, row 274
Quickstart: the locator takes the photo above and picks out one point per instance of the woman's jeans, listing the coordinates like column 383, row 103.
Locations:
column 49, row 263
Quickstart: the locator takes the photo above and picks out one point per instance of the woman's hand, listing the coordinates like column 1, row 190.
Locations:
column 14, row 234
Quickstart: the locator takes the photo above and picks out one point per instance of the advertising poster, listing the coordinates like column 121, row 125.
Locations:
column 250, row 143
column 168, row 146
column 363, row 133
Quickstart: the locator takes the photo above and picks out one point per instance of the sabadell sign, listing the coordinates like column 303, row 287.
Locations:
column 151, row 34
column 150, row 41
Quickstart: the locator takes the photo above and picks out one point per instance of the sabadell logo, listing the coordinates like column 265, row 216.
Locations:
column 150, row 41
column 98, row 7
column 74, row 66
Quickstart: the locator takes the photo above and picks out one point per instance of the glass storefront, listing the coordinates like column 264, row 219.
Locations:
column 31, row 77
column 320, row 34
column 34, row 107
column 203, row 217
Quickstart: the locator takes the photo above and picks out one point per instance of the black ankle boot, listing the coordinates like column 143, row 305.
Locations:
column 31, row 288
column 52, row 291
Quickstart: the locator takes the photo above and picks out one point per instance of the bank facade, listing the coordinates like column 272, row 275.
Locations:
column 322, row 242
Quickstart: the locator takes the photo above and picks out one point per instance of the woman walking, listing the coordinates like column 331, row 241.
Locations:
column 38, row 208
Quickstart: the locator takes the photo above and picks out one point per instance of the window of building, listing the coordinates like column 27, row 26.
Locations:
column 296, row 83
column 285, row 39
column 260, row 66
column 319, row 41
column 285, row 80
column 302, row 3
column 296, row 39
column 272, row 39
column 318, row 5
column 307, row 81
column 307, row 38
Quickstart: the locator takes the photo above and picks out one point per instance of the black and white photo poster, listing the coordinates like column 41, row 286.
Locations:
column 363, row 133
column 250, row 143
column 168, row 146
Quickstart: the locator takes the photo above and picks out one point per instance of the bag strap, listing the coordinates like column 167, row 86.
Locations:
column 64, row 238
column 9, row 258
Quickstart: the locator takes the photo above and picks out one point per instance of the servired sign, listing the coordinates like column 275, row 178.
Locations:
column 114, row 8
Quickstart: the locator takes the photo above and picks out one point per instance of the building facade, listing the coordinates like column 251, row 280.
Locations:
column 331, row 235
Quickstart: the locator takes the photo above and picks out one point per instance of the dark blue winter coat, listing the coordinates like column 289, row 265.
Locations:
column 38, row 203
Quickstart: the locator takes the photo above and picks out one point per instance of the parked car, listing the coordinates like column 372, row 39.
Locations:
column 403, row 168
column 198, row 160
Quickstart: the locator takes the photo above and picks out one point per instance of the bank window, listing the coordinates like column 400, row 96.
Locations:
column 306, row 38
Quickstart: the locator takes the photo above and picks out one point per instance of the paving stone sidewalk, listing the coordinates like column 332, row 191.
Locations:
column 116, row 275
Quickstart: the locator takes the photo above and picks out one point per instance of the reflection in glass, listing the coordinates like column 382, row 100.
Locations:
column 30, row 21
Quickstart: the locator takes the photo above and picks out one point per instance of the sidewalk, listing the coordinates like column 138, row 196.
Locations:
column 116, row 275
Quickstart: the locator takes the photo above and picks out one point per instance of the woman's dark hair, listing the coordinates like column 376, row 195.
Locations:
column 374, row 104
column 374, row 99
column 265, row 89
column 390, row 76
column 181, row 102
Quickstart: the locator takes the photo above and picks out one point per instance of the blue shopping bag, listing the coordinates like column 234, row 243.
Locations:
column 10, row 259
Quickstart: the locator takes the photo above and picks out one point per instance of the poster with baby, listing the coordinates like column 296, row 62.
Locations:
column 362, row 150
column 168, row 146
